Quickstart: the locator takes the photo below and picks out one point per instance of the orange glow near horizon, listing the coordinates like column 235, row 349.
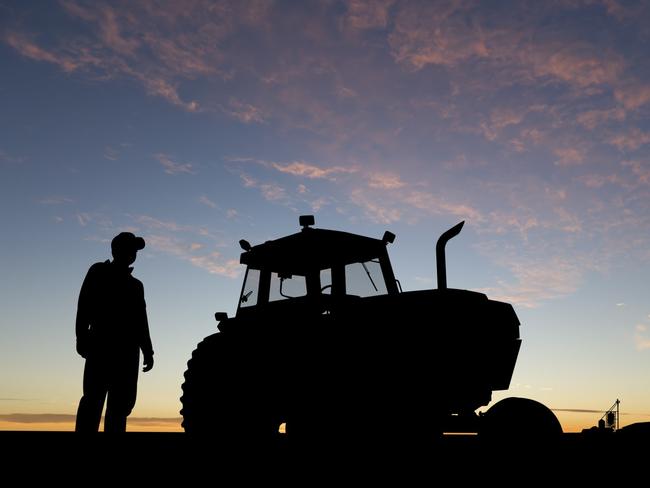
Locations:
column 571, row 422
column 159, row 425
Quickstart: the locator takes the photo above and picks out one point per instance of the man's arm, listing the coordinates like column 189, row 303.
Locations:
column 147, row 348
column 145, row 337
column 84, row 310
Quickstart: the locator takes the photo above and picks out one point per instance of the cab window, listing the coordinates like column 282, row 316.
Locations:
column 251, row 285
column 284, row 287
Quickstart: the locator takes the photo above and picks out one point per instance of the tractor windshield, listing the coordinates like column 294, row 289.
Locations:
column 362, row 279
column 365, row 279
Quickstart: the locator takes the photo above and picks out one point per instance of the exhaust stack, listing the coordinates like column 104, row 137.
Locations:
column 440, row 254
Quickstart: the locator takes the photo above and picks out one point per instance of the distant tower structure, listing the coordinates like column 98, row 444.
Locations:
column 610, row 419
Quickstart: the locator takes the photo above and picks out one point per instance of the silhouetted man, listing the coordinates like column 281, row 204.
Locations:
column 111, row 330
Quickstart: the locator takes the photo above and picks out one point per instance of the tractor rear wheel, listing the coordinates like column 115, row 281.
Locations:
column 520, row 421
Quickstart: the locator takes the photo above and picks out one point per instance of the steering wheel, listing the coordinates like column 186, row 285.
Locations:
column 325, row 288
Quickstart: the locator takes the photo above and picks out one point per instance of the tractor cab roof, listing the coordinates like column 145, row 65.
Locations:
column 312, row 249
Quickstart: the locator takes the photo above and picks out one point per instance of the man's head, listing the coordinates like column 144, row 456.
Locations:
column 125, row 246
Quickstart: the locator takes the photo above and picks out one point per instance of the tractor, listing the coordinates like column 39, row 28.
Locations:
column 325, row 345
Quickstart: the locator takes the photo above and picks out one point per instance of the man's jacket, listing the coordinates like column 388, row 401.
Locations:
column 112, row 314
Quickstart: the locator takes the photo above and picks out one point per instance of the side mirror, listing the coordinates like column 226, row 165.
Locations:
column 220, row 316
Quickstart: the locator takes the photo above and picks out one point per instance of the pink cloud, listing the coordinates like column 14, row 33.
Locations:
column 537, row 281
column 245, row 112
column 207, row 202
column 172, row 167
column 153, row 223
column 569, row 156
column 502, row 222
column 111, row 34
column 273, row 192
column 364, row 14
column 499, row 120
column 633, row 95
column 385, row 181
column 143, row 43
column 211, row 262
column 598, row 181
column 631, row 140
column 640, row 169
column 593, row 118
column 31, row 50
column 451, row 33
column 311, row 171
column 375, row 211
column 578, row 64
column 249, row 182
column 162, row 88
column 435, row 34
column 270, row 191
column 434, row 205
column 641, row 338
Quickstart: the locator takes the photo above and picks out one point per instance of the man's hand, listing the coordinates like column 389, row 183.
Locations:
column 148, row 363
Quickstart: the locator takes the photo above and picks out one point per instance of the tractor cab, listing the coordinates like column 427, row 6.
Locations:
column 314, row 263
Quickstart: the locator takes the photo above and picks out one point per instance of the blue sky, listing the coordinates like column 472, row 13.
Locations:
column 196, row 124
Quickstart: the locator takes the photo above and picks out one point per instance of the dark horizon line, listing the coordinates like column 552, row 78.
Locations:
column 33, row 418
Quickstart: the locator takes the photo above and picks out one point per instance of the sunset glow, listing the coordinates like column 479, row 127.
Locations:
column 198, row 123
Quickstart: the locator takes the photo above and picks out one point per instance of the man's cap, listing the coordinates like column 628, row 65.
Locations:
column 127, row 240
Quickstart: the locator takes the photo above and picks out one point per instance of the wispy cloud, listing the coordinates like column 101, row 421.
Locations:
column 215, row 264
column 111, row 153
column 630, row 140
column 385, row 181
column 373, row 209
column 594, row 180
column 207, row 202
column 568, row 156
column 641, row 337
column 301, row 168
column 593, row 118
column 245, row 112
column 171, row 166
column 311, row 171
column 83, row 219
column 537, row 280
column 640, row 170
column 435, row 34
column 367, row 15
column 187, row 243
column 157, row 224
column 212, row 262
column 6, row 158
column 578, row 410
column 499, row 120
column 435, row 205
column 28, row 48
column 633, row 95
column 273, row 192
column 55, row 200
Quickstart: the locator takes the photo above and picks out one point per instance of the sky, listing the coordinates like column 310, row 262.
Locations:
column 197, row 123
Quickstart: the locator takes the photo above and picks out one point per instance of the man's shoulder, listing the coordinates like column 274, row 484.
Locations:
column 99, row 267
